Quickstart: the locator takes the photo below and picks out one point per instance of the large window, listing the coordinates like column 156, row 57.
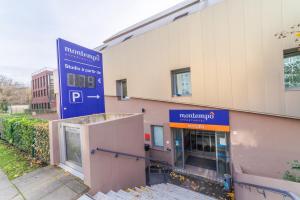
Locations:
column 292, row 69
column 157, row 136
column 122, row 89
column 181, row 82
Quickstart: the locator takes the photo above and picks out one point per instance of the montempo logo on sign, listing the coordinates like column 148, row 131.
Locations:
column 211, row 115
column 213, row 120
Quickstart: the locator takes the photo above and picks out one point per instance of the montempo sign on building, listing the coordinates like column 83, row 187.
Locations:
column 80, row 72
column 211, row 120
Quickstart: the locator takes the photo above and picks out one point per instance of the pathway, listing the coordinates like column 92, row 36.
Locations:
column 7, row 190
column 48, row 183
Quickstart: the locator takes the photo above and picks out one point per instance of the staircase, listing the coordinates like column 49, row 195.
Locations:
column 155, row 192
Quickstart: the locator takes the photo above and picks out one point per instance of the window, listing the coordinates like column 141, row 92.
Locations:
column 122, row 89
column 181, row 82
column 292, row 69
column 157, row 136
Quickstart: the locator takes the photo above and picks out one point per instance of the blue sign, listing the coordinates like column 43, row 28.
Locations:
column 80, row 74
column 215, row 120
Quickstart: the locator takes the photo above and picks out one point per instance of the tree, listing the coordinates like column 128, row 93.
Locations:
column 294, row 31
column 12, row 93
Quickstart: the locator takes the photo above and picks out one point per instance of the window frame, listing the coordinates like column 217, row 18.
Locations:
column 174, row 81
column 287, row 54
column 119, row 89
column 152, row 137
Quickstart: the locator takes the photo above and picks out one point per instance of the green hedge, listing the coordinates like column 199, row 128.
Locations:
column 41, row 142
column 27, row 134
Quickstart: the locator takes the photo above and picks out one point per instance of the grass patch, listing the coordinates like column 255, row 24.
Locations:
column 15, row 163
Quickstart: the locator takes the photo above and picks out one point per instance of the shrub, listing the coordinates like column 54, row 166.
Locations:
column 294, row 173
column 27, row 134
column 41, row 142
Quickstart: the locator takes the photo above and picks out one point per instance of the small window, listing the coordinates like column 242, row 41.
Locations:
column 122, row 89
column 181, row 82
column 157, row 136
column 292, row 68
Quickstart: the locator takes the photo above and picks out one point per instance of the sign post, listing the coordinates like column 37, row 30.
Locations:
column 80, row 73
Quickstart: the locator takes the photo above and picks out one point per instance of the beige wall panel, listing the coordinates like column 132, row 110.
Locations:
column 173, row 46
column 235, row 59
column 184, row 41
column 272, row 56
column 196, row 54
column 292, row 99
column 254, row 60
column 222, row 48
column 237, row 54
column 209, row 57
column 291, row 16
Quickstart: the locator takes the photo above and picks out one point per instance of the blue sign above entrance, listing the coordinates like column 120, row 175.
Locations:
column 214, row 120
column 80, row 74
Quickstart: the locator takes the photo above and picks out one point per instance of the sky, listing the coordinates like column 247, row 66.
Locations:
column 29, row 29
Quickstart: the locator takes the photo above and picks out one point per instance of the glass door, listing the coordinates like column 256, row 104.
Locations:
column 179, row 147
column 70, row 145
column 222, row 153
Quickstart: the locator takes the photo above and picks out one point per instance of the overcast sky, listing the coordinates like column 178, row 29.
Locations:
column 29, row 28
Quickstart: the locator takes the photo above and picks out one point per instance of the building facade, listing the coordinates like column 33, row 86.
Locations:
column 218, row 55
column 42, row 87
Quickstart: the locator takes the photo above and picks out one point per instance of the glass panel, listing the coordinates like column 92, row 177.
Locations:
column 213, row 144
column 124, row 89
column 183, row 84
column 187, row 140
column 193, row 141
column 199, row 142
column 158, row 136
column 178, row 137
column 222, row 153
column 206, row 143
column 73, row 145
column 292, row 71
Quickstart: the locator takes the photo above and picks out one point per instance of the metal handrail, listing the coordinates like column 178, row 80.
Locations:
column 284, row 193
column 137, row 157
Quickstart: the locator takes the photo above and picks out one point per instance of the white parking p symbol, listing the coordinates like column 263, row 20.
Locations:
column 75, row 96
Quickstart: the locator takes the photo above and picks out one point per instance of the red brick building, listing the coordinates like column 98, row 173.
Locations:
column 42, row 87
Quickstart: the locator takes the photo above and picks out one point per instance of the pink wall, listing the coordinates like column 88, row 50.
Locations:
column 102, row 171
column 262, row 144
column 244, row 193
column 54, row 143
column 105, row 172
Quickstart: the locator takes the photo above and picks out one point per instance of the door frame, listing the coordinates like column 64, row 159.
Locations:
column 62, row 145
column 182, row 147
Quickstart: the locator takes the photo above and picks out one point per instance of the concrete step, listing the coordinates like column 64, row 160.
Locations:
column 155, row 192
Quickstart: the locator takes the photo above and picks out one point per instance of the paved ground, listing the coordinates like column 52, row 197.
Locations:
column 48, row 183
column 7, row 190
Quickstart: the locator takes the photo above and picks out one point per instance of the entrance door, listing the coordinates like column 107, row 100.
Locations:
column 70, row 145
column 178, row 146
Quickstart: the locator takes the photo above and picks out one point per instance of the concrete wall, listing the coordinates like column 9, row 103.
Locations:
column 104, row 172
column 244, row 193
column 261, row 144
column 236, row 61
